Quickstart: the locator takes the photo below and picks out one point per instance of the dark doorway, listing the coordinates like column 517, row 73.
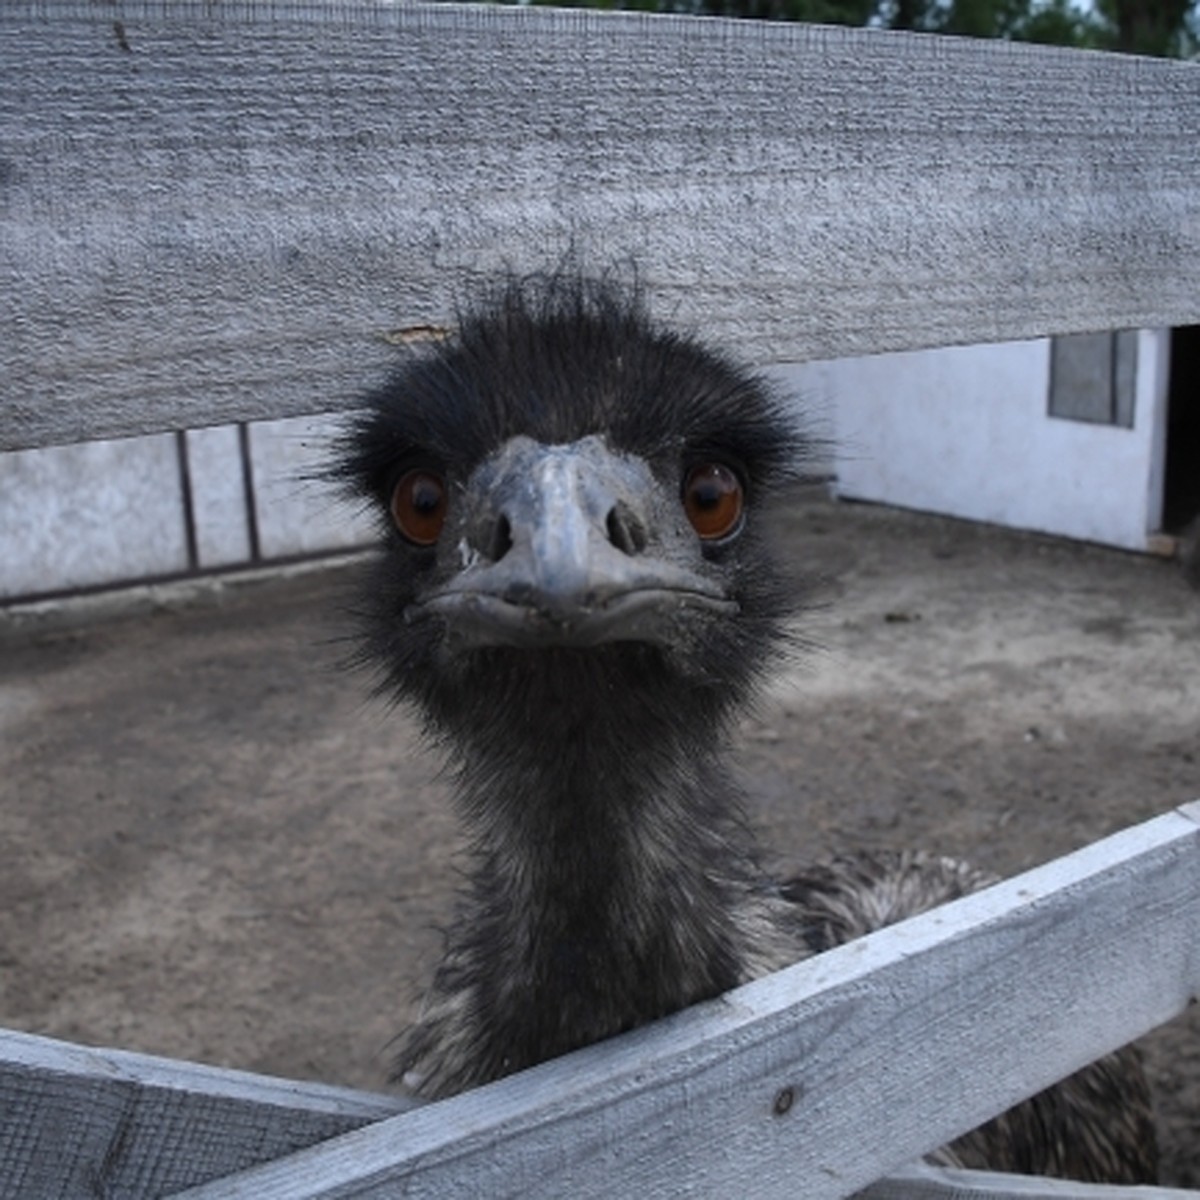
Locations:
column 1181, row 493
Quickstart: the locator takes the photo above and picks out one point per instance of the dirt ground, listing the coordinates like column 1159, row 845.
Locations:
column 216, row 848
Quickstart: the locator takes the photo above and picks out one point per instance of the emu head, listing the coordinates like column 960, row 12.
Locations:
column 572, row 501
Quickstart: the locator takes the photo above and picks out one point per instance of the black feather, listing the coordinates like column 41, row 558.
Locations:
column 613, row 878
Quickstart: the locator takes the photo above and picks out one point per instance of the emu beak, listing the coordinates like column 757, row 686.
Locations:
column 573, row 545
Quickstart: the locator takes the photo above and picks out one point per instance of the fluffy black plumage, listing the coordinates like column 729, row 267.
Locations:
column 554, row 601
column 610, row 858
column 557, row 360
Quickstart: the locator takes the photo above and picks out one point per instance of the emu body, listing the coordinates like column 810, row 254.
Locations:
column 578, row 592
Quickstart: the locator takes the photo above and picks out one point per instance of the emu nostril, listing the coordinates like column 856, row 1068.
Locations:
column 625, row 530
column 501, row 542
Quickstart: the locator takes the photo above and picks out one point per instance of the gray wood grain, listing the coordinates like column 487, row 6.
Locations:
column 220, row 211
column 888, row 1046
column 78, row 1122
column 923, row 1182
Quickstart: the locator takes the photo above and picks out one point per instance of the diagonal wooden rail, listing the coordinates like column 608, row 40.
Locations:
column 884, row 1049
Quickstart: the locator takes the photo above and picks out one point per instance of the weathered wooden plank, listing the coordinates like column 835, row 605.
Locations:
column 220, row 211
column 77, row 1122
column 820, row 1079
column 923, row 1182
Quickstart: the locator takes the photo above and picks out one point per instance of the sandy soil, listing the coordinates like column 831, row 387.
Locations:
column 216, row 848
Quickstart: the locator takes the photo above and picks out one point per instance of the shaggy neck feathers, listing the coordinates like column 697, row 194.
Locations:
column 611, row 881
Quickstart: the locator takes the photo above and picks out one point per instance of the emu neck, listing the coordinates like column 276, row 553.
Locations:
column 588, row 840
column 611, row 880
column 612, row 884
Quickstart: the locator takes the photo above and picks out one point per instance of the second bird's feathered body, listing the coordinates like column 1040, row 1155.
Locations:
column 579, row 593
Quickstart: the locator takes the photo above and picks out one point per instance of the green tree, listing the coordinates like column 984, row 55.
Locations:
column 1162, row 27
column 1151, row 26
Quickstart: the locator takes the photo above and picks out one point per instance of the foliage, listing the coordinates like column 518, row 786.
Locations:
column 1163, row 27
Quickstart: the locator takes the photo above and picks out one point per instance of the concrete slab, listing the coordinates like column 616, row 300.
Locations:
column 298, row 512
column 91, row 514
column 219, row 496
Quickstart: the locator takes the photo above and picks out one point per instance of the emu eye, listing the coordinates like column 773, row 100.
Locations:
column 419, row 506
column 713, row 500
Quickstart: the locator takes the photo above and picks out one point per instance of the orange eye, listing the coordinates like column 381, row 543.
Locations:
column 713, row 499
column 419, row 506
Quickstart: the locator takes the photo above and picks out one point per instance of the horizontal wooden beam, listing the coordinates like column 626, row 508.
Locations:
column 923, row 1182
column 824, row 1077
column 78, row 1122
column 215, row 212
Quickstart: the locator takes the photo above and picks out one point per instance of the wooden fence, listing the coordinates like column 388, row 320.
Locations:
column 218, row 212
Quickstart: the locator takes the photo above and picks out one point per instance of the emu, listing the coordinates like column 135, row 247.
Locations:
column 578, row 593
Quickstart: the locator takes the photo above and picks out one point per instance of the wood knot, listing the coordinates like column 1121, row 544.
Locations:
column 784, row 1100
column 415, row 335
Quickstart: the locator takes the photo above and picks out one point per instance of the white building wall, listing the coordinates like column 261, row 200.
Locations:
column 81, row 516
column 218, row 484
column 296, row 510
column 964, row 431
column 112, row 512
